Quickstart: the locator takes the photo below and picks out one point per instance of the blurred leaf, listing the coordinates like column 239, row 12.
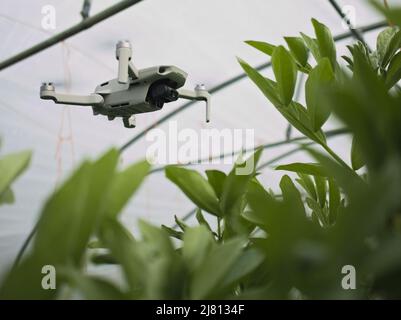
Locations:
column 74, row 210
column 123, row 249
column 195, row 187
column 95, row 288
column 236, row 183
column 285, row 71
column 201, row 219
column 248, row 261
column 383, row 47
column 197, row 243
column 325, row 42
column 172, row 232
column 180, row 223
column 215, row 266
column 103, row 258
column 321, row 187
column 216, row 179
column 356, row 156
column 393, row 75
column 292, row 196
column 322, row 75
column 11, row 166
column 305, row 168
column 334, row 200
column 7, row 196
column 125, row 184
column 318, row 211
column 263, row 206
column 307, row 183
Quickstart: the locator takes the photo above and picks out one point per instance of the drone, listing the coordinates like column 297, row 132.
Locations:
column 133, row 91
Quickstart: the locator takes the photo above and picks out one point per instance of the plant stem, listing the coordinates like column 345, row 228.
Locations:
column 338, row 159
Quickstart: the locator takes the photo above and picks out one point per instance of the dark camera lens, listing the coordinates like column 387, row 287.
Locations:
column 161, row 93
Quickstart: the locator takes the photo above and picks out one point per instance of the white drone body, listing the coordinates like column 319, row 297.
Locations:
column 133, row 91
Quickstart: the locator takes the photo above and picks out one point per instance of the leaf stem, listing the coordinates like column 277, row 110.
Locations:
column 218, row 228
column 337, row 158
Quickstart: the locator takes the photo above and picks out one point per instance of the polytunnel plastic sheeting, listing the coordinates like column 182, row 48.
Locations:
column 201, row 37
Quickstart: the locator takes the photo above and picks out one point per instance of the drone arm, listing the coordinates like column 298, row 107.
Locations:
column 199, row 95
column 47, row 92
column 123, row 55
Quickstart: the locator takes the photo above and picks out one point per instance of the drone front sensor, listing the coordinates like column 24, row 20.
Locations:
column 133, row 91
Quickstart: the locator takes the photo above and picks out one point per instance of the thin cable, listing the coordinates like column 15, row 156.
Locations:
column 355, row 33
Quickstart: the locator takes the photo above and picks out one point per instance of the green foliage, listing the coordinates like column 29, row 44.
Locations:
column 249, row 242
column 11, row 166
column 286, row 74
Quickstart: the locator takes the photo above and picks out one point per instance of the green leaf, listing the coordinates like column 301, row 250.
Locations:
column 216, row 179
column 197, row 243
column 334, row 200
column 95, row 288
column 201, row 219
column 11, row 166
column 264, row 47
column 319, row 78
column 317, row 211
column 307, row 183
column 247, row 262
column 292, row 196
column 394, row 71
column 285, row 71
column 74, row 210
column 267, row 86
column 312, row 46
column 298, row 50
column 321, row 187
column 383, row 45
column 173, row 233
column 124, row 185
column 357, row 160
column 314, row 169
column 325, row 42
column 214, row 267
column 124, row 250
column 195, row 187
column 237, row 181
column 295, row 114
column 180, row 223
column 263, row 206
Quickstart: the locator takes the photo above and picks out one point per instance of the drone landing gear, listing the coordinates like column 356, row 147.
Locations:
column 129, row 122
